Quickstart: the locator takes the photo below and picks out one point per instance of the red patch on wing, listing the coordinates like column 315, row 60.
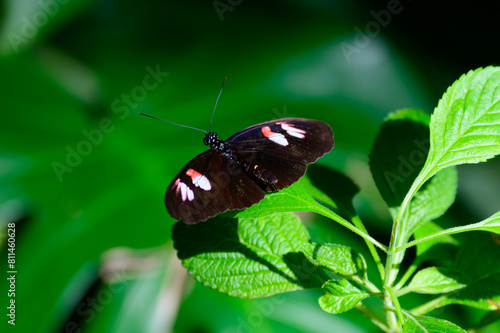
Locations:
column 266, row 130
column 193, row 174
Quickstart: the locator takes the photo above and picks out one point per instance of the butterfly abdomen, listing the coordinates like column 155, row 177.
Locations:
column 259, row 173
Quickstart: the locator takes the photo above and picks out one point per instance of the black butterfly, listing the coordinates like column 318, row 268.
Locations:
column 236, row 173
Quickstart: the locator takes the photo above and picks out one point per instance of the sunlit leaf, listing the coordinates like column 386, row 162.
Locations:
column 426, row 230
column 248, row 257
column 294, row 198
column 338, row 259
column 430, row 325
column 436, row 280
column 465, row 126
column 341, row 296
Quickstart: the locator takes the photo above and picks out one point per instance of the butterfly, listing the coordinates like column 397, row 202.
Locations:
column 237, row 173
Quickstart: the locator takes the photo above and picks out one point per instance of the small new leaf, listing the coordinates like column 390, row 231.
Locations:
column 430, row 325
column 428, row 229
column 434, row 280
column 340, row 260
column 341, row 296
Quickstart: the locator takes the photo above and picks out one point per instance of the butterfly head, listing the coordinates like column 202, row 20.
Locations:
column 212, row 140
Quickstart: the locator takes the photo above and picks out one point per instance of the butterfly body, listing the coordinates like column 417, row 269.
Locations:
column 237, row 172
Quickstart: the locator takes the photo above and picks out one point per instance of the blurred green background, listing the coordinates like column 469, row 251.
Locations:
column 83, row 176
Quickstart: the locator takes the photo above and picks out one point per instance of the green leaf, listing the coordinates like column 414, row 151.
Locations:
column 338, row 259
column 294, row 198
column 436, row 280
column 331, row 187
column 414, row 115
column 465, row 126
column 430, row 325
column 248, row 257
column 478, row 256
column 488, row 318
column 341, row 296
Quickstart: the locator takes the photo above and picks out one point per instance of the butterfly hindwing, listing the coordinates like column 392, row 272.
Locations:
column 208, row 185
column 284, row 171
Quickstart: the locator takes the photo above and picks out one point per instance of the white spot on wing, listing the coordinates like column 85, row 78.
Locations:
column 199, row 180
column 190, row 194
column 296, row 132
column 186, row 192
column 279, row 139
column 183, row 191
column 204, row 183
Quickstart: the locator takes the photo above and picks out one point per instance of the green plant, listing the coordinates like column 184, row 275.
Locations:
column 265, row 250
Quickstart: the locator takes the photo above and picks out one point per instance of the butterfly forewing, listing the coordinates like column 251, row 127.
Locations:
column 208, row 185
column 293, row 139
column 282, row 148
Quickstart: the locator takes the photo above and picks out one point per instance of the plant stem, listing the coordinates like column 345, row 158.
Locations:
column 397, row 306
column 429, row 306
column 450, row 231
column 389, row 312
column 370, row 315
column 320, row 209
column 358, row 223
column 394, row 257
column 396, row 237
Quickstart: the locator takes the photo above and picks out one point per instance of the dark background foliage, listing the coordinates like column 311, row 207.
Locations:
column 83, row 175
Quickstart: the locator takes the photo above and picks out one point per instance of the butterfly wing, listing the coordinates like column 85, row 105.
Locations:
column 208, row 185
column 277, row 152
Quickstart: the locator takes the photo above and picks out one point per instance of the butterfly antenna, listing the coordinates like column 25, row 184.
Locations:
column 217, row 101
column 142, row 114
